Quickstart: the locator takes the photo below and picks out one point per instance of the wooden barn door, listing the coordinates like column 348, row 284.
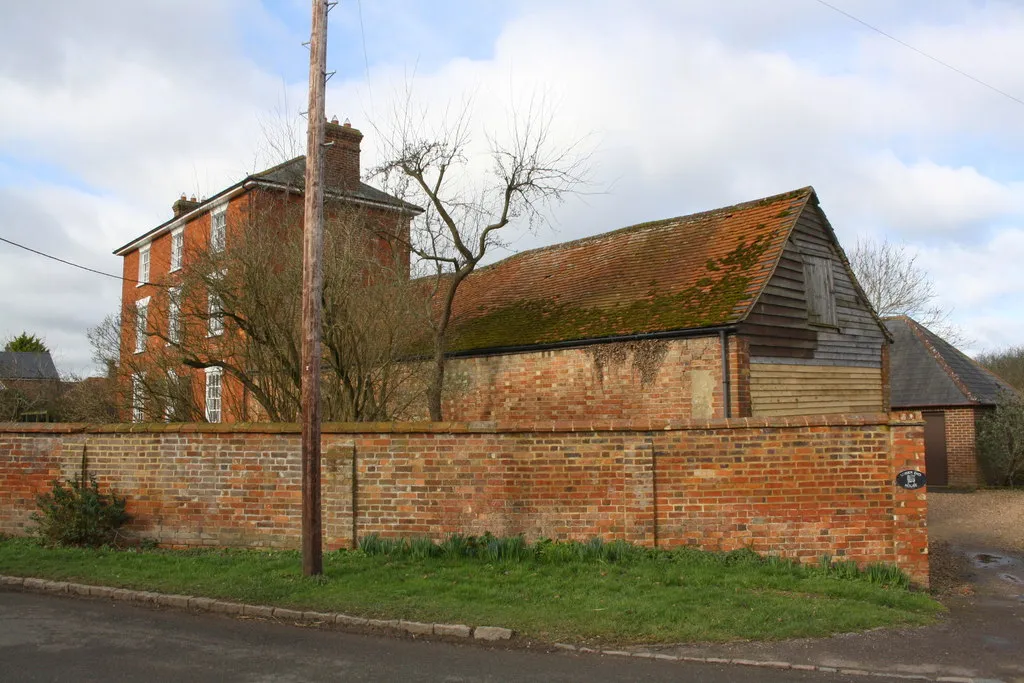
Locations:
column 935, row 449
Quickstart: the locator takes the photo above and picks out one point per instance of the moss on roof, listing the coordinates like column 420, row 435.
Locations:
column 689, row 272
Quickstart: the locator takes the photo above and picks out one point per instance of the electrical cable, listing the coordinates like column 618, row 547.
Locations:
column 921, row 52
column 75, row 265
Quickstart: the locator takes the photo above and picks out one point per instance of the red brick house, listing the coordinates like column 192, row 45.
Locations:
column 154, row 262
column 931, row 375
column 747, row 310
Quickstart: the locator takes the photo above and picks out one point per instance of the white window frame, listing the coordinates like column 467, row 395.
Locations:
column 218, row 228
column 138, row 411
column 143, row 266
column 177, row 248
column 141, row 323
column 215, row 313
column 174, row 315
column 214, row 394
column 172, row 381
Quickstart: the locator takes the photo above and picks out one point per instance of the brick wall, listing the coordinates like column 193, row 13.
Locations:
column 961, row 451
column 667, row 379
column 801, row 487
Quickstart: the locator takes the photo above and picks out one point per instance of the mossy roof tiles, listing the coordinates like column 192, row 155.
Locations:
column 702, row 270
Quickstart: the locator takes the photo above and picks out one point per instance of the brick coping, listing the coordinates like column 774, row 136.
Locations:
column 513, row 427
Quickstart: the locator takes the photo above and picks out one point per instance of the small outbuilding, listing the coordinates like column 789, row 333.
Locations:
column 28, row 382
column 929, row 374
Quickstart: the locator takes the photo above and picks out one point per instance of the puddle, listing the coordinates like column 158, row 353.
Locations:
column 987, row 560
column 1011, row 578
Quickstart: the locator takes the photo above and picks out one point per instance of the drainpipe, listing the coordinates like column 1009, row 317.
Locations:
column 726, row 384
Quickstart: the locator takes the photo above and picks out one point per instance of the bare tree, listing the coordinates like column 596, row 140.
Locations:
column 154, row 377
column 1008, row 364
column 280, row 139
column 238, row 309
column 528, row 170
column 896, row 285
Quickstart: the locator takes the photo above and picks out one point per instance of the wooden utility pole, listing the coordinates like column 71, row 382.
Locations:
column 312, row 289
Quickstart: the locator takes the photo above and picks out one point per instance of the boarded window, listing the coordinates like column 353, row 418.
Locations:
column 821, row 291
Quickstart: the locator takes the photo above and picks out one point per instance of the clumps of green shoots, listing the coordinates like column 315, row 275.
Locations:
column 515, row 549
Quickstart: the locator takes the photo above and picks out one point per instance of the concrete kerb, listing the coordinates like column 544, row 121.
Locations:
column 198, row 604
column 481, row 633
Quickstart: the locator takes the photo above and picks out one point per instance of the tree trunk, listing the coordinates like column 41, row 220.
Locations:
column 436, row 380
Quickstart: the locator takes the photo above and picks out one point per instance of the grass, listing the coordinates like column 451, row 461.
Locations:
column 573, row 592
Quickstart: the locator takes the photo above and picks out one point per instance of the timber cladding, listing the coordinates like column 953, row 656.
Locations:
column 799, row 487
column 785, row 389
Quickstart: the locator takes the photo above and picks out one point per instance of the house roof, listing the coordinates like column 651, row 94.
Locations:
column 926, row 370
column 697, row 271
column 291, row 174
column 27, row 365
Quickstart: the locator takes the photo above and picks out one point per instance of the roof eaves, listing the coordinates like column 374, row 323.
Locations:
column 172, row 223
column 707, row 331
column 403, row 207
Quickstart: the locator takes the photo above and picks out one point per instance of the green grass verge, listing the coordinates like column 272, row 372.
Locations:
column 680, row 596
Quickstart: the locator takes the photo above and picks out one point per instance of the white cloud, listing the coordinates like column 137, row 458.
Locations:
column 691, row 106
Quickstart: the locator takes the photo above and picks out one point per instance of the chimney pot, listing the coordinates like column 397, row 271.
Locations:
column 184, row 205
column 347, row 124
column 334, row 119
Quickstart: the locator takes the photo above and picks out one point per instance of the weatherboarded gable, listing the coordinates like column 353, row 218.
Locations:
column 816, row 346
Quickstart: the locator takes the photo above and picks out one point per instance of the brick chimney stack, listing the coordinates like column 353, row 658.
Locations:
column 184, row 205
column 341, row 156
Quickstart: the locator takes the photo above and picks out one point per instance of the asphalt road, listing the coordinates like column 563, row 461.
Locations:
column 52, row 638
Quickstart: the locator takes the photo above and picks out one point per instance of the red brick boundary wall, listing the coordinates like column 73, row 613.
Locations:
column 798, row 487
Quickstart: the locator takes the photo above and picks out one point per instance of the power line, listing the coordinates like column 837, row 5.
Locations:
column 922, row 52
column 75, row 265
column 366, row 59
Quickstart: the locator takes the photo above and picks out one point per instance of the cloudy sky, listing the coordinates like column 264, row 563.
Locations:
column 111, row 109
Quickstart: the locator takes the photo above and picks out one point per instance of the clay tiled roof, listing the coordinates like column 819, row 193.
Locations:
column 926, row 370
column 696, row 271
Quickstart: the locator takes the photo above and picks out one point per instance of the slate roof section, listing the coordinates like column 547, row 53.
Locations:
column 27, row 365
column 690, row 272
column 293, row 174
column 926, row 370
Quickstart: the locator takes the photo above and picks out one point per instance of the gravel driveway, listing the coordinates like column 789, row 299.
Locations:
column 989, row 518
column 962, row 524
